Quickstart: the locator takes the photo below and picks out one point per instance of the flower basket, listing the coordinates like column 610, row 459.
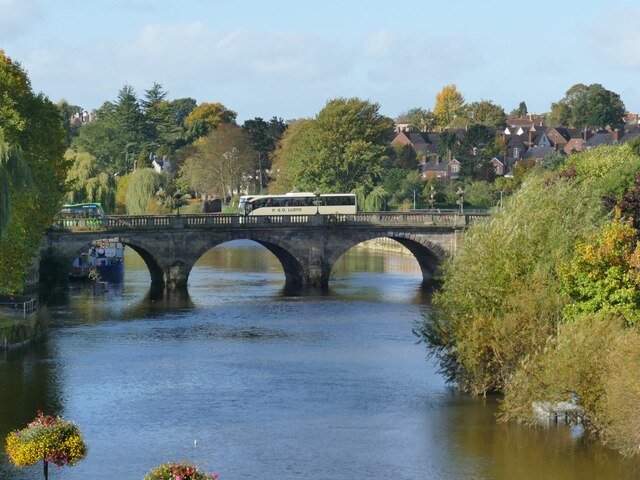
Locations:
column 47, row 438
column 178, row 471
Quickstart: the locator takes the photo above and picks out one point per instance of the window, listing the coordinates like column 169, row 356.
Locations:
column 454, row 168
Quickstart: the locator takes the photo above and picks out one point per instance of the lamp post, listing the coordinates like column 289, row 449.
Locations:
column 432, row 197
column 176, row 197
column 460, row 193
column 414, row 190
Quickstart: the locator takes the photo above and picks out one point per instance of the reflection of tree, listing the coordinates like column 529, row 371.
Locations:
column 30, row 382
column 485, row 448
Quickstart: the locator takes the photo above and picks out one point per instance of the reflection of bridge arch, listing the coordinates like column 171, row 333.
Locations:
column 291, row 265
column 73, row 249
column 428, row 254
column 307, row 246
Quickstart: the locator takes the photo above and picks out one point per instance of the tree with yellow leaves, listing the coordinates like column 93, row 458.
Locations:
column 449, row 103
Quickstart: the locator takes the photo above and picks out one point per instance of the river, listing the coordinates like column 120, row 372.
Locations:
column 250, row 381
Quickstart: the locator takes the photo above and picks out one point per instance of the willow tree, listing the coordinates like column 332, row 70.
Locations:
column 31, row 147
column 144, row 192
column 88, row 182
column 14, row 171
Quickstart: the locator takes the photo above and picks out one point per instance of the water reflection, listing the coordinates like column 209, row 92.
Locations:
column 272, row 383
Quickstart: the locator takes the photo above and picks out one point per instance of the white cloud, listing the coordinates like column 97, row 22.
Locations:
column 238, row 67
column 614, row 39
column 16, row 17
column 400, row 59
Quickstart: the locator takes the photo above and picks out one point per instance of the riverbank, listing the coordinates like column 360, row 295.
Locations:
column 21, row 322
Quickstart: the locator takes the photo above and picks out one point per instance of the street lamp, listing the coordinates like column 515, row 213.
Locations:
column 414, row 190
column 177, row 198
column 460, row 193
column 432, row 197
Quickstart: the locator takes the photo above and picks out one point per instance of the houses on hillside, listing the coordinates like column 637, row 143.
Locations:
column 524, row 138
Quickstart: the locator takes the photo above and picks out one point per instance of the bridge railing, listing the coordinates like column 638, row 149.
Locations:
column 141, row 222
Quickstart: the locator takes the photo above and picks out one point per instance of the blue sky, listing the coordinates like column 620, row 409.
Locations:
column 287, row 58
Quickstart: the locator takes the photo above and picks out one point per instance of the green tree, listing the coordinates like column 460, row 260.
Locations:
column 181, row 108
column 143, row 190
column 264, row 138
column 420, row 120
column 604, row 275
column 521, row 111
column 31, row 140
column 481, row 195
column 376, row 201
column 585, row 105
column 290, row 156
column 67, row 111
column 449, row 103
column 87, row 182
column 405, row 157
column 471, row 154
column 486, row 113
column 345, row 146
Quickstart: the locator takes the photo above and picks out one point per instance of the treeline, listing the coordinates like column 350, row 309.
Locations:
column 212, row 155
column 542, row 302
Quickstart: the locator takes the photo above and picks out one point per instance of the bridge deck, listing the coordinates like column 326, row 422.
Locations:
column 213, row 220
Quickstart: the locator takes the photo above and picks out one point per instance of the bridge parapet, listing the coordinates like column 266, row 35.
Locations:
column 170, row 222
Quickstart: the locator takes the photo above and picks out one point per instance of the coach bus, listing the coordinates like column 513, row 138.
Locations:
column 91, row 213
column 298, row 203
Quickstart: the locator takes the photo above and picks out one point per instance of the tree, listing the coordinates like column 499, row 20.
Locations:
column 290, row 156
column 585, row 105
column 47, row 438
column 448, row 144
column 449, row 102
column 206, row 117
column 14, row 173
column 472, row 149
column 143, row 195
column 31, row 147
column 521, row 111
column 605, row 274
column 345, row 146
column 420, row 120
column 160, row 125
column 181, row 108
column 405, row 157
column 486, row 113
column 264, row 138
column 87, row 182
column 67, row 111
column 218, row 164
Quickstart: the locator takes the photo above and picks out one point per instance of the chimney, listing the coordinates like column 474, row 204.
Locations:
column 616, row 135
column 438, row 159
column 585, row 134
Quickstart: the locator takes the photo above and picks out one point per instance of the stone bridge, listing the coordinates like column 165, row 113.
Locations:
column 307, row 246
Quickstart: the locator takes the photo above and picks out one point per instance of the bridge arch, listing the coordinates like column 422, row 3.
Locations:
column 145, row 251
column 428, row 254
column 292, row 265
